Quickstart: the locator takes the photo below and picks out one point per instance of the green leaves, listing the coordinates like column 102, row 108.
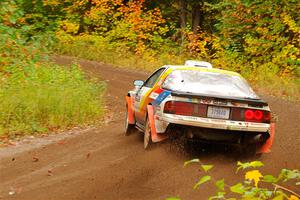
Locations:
column 206, row 168
column 246, row 165
column 249, row 187
column 202, row 180
column 186, row 163
column 220, row 184
column 12, row 19
column 205, row 178
column 287, row 174
column 264, row 32
column 220, row 195
column 238, row 188
column 269, row 179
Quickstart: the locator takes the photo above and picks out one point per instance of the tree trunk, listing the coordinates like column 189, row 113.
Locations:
column 197, row 17
column 183, row 18
column 183, row 13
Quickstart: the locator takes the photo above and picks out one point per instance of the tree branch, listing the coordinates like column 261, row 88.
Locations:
column 286, row 189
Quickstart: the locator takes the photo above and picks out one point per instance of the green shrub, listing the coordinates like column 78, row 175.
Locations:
column 36, row 95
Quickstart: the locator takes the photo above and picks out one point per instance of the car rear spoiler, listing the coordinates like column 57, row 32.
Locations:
column 254, row 102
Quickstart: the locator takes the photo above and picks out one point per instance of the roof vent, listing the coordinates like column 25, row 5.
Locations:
column 195, row 63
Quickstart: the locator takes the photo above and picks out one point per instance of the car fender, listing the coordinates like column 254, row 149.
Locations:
column 130, row 112
column 154, row 136
column 266, row 148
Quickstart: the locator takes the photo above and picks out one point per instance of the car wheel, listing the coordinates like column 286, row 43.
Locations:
column 129, row 128
column 248, row 150
column 147, row 135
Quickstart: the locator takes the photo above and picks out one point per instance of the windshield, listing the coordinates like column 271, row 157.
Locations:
column 208, row 83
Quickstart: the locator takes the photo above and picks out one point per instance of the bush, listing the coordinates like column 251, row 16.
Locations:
column 47, row 98
column 98, row 48
column 36, row 95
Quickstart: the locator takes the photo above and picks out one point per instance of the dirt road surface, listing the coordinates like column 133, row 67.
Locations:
column 102, row 163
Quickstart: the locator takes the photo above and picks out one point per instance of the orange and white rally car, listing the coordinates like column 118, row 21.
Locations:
column 200, row 102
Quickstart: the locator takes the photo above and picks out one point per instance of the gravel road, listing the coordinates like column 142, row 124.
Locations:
column 102, row 163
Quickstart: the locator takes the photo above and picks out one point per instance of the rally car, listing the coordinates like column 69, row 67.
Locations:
column 201, row 103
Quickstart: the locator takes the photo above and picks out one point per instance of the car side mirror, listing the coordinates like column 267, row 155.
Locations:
column 138, row 83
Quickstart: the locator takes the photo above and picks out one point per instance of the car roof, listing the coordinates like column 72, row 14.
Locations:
column 202, row 69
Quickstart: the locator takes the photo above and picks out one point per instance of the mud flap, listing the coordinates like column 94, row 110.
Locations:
column 129, row 110
column 154, row 136
column 266, row 148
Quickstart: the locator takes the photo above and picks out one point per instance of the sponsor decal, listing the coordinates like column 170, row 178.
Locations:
column 206, row 101
column 191, row 118
column 219, row 103
column 218, row 121
column 239, row 104
column 153, row 95
column 162, row 96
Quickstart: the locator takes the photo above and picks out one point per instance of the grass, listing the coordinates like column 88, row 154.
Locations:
column 47, row 97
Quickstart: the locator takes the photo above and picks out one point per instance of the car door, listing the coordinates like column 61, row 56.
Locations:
column 142, row 95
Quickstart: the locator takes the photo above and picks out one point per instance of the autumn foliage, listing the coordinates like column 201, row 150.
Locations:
column 259, row 39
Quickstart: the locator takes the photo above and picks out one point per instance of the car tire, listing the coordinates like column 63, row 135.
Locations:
column 248, row 150
column 129, row 128
column 147, row 135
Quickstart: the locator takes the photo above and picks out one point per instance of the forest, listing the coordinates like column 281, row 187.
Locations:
column 258, row 38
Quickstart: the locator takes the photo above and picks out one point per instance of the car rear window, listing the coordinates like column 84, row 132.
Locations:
column 208, row 83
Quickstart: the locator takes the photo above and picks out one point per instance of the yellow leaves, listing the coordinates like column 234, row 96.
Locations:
column 69, row 27
column 253, row 175
column 262, row 30
column 51, row 2
column 128, row 22
column 288, row 20
column 202, row 43
column 293, row 197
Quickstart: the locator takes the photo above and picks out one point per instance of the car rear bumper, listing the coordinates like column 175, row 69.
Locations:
column 162, row 122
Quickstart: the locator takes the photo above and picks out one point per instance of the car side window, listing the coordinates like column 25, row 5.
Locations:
column 153, row 78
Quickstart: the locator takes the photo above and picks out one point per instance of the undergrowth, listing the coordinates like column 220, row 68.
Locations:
column 47, row 98
column 37, row 96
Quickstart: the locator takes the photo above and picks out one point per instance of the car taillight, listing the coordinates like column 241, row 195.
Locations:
column 267, row 116
column 185, row 108
column 256, row 116
column 250, row 115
